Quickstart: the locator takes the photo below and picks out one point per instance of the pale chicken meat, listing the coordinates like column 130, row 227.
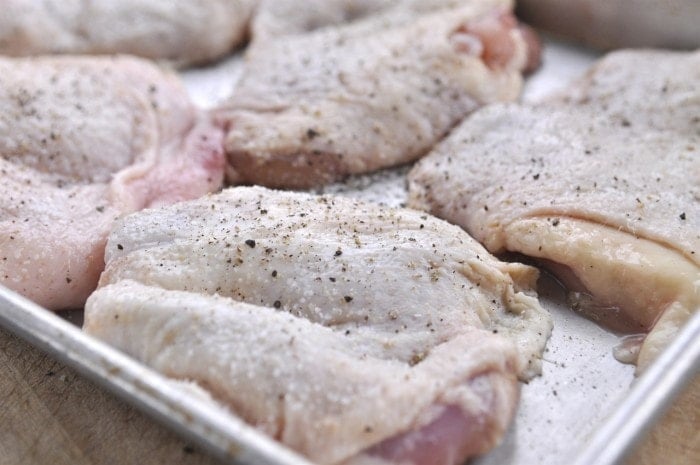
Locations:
column 377, row 92
column 600, row 184
column 351, row 332
column 83, row 141
column 180, row 31
column 278, row 18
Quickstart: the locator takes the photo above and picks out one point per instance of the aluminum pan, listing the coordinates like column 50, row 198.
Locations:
column 651, row 396
column 582, row 384
column 559, row 411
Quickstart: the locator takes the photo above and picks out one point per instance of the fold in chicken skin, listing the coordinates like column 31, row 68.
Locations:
column 601, row 184
column 312, row 108
column 181, row 31
column 351, row 332
column 82, row 141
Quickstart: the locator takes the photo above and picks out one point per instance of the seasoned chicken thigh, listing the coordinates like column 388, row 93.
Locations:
column 182, row 31
column 315, row 107
column 351, row 332
column 82, row 141
column 601, row 184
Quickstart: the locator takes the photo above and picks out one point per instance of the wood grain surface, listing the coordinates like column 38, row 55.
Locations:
column 676, row 438
column 51, row 415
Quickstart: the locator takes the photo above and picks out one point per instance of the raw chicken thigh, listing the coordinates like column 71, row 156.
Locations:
column 82, row 141
column 182, row 31
column 602, row 185
column 312, row 108
column 351, row 332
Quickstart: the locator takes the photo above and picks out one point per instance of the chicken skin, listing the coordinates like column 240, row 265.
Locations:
column 351, row 332
column 83, row 141
column 183, row 32
column 380, row 91
column 601, row 185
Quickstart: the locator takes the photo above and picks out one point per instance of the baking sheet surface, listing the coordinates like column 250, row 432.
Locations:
column 581, row 383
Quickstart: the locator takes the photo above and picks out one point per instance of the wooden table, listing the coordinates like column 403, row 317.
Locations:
column 676, row 438
column 50, row 415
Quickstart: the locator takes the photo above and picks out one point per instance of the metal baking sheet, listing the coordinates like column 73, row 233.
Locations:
column 559, row 413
